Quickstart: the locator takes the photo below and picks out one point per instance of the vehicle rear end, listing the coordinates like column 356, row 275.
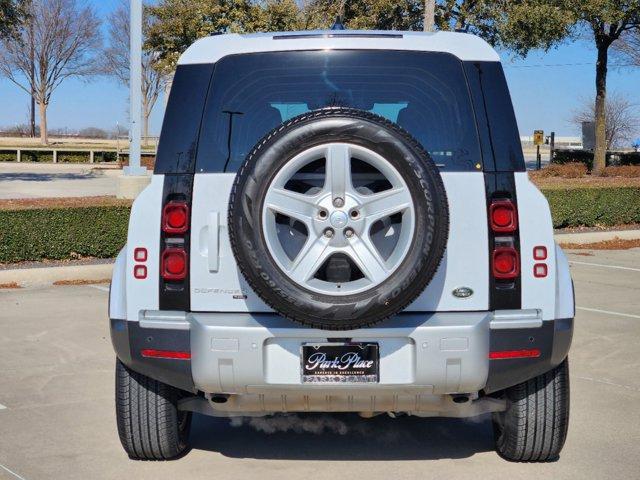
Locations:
column 467, row 307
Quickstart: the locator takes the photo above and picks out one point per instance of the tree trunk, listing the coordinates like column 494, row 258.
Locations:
column 429, row 12
column 32, row 79
column 600, row 151
column 44, row 138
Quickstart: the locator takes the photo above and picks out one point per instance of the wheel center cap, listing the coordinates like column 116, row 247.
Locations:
column 338, row 219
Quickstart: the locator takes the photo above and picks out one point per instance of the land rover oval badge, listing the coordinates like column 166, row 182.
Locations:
column 462, row 292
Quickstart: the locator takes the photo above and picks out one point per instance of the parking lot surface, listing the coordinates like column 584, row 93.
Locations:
column 57, row 416
column 32, row 180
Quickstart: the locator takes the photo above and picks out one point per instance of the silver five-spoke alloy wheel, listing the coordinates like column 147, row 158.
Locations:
column 371, row 229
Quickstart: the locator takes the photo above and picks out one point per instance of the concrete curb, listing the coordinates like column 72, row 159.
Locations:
column 41, row 276
column 595, row 237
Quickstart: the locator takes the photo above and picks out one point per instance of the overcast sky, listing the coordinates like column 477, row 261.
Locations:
column 545, row 89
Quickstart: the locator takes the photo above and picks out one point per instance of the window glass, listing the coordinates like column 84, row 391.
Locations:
column 425, row 93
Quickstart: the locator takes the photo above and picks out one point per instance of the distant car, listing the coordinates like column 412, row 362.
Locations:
column 341, row 222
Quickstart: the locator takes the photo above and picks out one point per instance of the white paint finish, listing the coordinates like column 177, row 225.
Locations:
column 214, row 291
column 144, row 231
column 464, row 46
column 118, row 294
column 617, row 267
column 466, row 259
column 608, row 312
column 565, row 303
column 536, row 228
column 465, row 263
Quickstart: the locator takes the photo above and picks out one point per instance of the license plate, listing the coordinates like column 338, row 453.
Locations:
column 340, row 362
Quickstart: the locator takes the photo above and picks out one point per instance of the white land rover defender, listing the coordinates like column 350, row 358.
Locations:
column 341, row 221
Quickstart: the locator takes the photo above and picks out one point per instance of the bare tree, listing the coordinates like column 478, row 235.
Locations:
column 65, row 35
column 116, row 61
column 627, row 49
column 622, row 119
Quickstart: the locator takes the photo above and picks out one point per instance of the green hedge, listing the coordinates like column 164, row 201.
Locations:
column 39, row 156
column 586, row 157
column 101, row 231
column 62, row 233
column 592, row 207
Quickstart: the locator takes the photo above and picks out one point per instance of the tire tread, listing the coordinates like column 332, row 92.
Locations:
column 534, row 426
column 148, row 418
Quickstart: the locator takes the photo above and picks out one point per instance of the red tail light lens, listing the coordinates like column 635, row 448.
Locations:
column 510, row 354
column 170, row 354
column 174, row 264
column 506, row 263
column 503, row 216
column 175, row 217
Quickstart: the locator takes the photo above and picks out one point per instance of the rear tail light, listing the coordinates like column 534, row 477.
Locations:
column 174, row 264
column 503, row 216
column 506, row 263
column 175, row 217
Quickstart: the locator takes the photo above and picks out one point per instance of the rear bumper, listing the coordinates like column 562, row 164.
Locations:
column 420, row 354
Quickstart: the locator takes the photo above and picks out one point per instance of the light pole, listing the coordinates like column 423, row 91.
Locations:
column 134, row 178
column 135, row 86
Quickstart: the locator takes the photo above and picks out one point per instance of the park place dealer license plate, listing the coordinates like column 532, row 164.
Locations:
column 340, row 362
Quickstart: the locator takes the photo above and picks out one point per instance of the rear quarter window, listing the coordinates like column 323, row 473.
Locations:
column 426, row 93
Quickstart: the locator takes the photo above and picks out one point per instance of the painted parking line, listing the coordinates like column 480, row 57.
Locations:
column 99, row 287
column 2, row 407
column 618, row 267
column 12, row 472
column 608, row 312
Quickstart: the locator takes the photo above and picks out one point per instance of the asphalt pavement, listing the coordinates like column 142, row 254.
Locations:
column 33, row 180
column 57, row 416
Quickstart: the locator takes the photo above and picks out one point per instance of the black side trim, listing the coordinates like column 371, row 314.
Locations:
column 176, row 295
column 182, row 119
column 129, row 339
column 503, row 295
column 501, row 119
column 473, row 73
column 553, row 340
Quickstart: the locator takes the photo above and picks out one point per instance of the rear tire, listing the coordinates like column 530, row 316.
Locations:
column 534, row 426
column 150, row 425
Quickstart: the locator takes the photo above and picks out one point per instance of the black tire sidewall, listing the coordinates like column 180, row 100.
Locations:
column 410, row 160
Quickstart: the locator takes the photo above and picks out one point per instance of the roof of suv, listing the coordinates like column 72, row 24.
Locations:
column 464, row 46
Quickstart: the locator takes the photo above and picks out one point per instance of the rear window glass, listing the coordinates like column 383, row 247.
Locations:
column 425, row 93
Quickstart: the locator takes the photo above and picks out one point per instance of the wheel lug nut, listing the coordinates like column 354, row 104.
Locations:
column 328, row 233
column 338, row 202
column 348, row 233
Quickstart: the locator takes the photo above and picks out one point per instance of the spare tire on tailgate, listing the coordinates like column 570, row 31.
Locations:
column 338, row 219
